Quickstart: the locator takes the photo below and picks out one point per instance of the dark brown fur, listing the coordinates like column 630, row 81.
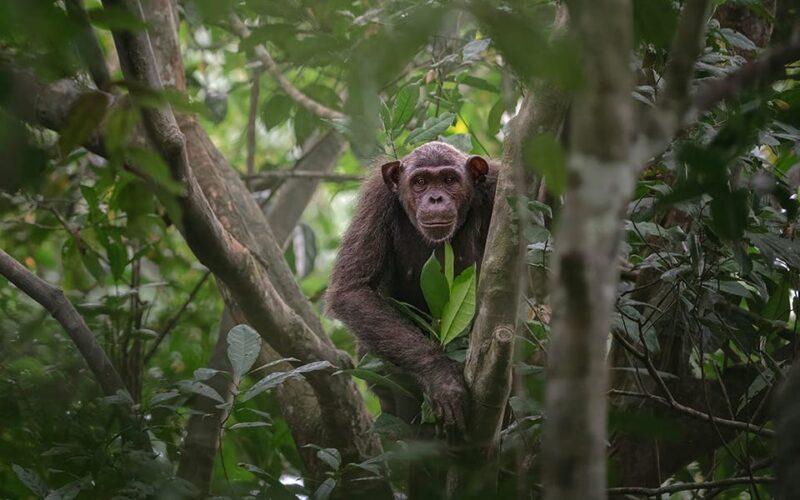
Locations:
column 382, row 255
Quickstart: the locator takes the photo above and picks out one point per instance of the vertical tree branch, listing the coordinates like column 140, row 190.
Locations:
column 600, row 181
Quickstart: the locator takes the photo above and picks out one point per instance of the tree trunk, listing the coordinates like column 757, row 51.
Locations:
column 600, row 181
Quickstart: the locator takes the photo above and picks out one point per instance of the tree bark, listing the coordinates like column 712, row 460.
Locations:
column 600, row 181
column 252, row 271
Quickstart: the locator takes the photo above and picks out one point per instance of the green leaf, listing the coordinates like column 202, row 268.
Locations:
column 478, row 83
column 248, row 425
column 155, row 168
column 392, row 427
column 449, row 263
column 434, row 286
column 331, row 457
column 275, row 362
column 119, row 124
column 325, row 489
column 778, row 306
column 200, row 388
column 304, row 125
column 460, row 308
column 162, row 397
column 277, row 378
column 83, row 118
column 403, row 107
column 203, row 374
column 31, row 480
column 276, row 111
column 495, row 115
column 375, row 378
column 462, row 142
column 430, row 129
column 244, row 344
column 472, row 51
column 415, row 315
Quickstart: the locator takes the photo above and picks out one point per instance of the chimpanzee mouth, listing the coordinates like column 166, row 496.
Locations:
column 436, row 224
column 437, row 231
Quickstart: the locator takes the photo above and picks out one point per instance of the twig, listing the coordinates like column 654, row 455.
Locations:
column 175, row 318
column 319, row 109
column 304, row 174
column 735, row 424
column 251, row 121
column 675, row 488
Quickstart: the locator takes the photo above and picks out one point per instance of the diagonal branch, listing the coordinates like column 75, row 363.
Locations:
column 319, row 109
column 766, row 69
column 89, row 46
column 53, row 299
column 242, row 271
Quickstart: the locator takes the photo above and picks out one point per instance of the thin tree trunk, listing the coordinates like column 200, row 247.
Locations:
column 600, row 181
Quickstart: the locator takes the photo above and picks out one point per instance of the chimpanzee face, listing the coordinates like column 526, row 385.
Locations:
column 435, row 187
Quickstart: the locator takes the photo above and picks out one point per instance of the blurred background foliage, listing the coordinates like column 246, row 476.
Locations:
column 710, row 264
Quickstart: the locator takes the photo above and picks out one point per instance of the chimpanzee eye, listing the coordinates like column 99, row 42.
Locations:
column 419, row 181
column 450, row 179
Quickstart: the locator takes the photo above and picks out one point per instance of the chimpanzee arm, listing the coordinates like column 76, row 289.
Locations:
column 353, row 297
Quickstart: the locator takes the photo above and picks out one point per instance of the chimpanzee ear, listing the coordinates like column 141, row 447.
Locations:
column 391, row 174
column 478, row 167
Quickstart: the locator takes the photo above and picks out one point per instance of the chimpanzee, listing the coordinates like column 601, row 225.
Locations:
column 407, row 210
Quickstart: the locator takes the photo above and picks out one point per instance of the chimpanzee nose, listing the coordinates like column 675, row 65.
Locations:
column 435, row 198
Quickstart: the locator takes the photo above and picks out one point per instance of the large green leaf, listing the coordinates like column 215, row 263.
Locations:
column 460, row 308
column 430, row 129
column 244, row 344
column 276, row 111
column 31, row 480
column 434, row 286
column 449, row 264
column 403, row 107
column 83, row 118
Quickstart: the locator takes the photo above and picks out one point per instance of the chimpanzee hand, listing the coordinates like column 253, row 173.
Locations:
column 449, row 396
